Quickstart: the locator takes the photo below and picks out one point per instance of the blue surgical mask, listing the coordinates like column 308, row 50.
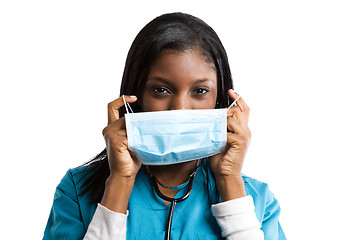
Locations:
column 176, row 136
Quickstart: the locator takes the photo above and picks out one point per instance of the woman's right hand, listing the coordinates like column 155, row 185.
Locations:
column 121, row 162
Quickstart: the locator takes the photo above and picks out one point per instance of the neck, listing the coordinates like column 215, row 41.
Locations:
column 173, row 175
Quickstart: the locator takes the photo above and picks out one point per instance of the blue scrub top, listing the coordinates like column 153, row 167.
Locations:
column 71, row 212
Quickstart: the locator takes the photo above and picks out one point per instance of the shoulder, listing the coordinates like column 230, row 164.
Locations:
column 254, row 187
column 264, row 199
column 72, row 182
column 75, row 175
column 79, row 173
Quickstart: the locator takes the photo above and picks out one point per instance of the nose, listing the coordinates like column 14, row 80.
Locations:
column 180, row 102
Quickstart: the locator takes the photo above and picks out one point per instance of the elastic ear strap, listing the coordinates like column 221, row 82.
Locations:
column 129, row 107
column 125, row 104
column 233, row 103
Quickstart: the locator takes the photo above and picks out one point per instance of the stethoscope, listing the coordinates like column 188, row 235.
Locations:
column 173, row 201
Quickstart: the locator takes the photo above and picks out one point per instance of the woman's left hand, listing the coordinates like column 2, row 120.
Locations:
column 228, row 164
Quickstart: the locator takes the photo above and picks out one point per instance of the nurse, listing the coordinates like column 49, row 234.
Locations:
column 176, row 62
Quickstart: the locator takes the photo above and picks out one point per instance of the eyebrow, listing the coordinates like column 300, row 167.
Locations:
column 169, row 83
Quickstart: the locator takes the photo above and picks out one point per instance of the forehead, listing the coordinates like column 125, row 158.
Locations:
column 186, row 65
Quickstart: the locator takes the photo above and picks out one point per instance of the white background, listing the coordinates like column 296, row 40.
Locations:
column 296, row 64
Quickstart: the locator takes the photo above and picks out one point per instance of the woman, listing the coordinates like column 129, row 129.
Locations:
column 176, row 62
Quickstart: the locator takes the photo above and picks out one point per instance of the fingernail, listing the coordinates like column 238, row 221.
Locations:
column 232, row 90
column 132, row 96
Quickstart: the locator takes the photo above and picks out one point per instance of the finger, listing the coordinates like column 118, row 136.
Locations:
column 119, row 133
column 233, row 125
column 240, row 102
column 239, row 140
column 241, row 117
column 113, row 107
column 234, row 112
column 115, row 126
column 244, row 108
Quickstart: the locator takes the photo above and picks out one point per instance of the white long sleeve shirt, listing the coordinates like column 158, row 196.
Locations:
column 236, row 219
column 73, row 215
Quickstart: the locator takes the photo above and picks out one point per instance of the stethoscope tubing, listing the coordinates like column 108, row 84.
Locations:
column 172, row 201
column 171, row 213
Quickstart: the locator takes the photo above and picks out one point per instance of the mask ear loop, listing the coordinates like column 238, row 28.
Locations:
column 233, row 103
column 127, row 106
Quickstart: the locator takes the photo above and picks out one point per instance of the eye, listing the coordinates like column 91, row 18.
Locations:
column 160, row 90
column 201, row 91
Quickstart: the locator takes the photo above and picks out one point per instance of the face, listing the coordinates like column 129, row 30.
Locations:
column 180, row 80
